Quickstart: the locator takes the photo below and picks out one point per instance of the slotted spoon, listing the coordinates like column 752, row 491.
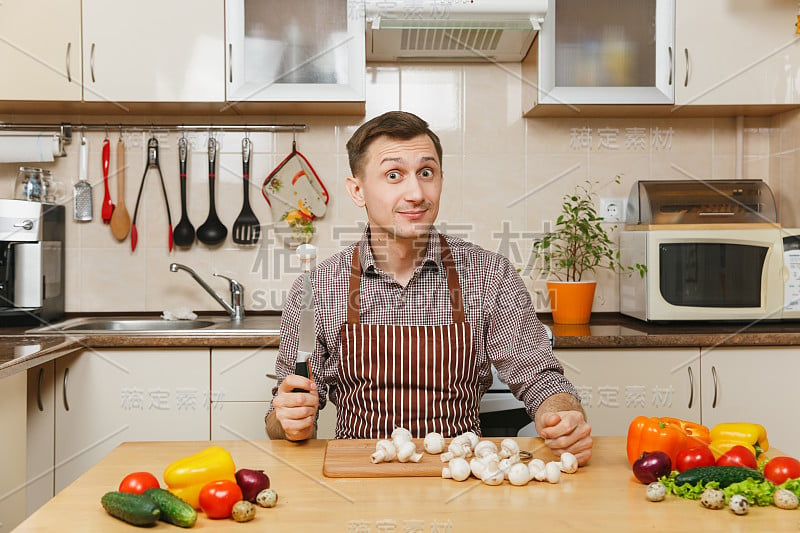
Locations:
column 246, row 227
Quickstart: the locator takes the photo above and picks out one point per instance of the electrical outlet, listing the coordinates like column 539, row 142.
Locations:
column 612, row 209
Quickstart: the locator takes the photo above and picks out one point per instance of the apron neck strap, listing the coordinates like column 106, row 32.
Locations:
column 453, row 286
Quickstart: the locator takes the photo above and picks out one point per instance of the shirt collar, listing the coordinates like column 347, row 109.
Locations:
column 432, row 257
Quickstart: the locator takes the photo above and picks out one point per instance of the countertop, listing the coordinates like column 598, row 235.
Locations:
column 602, row 496
column 20, row 350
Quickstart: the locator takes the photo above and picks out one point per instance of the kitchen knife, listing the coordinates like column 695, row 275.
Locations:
column 307, row 336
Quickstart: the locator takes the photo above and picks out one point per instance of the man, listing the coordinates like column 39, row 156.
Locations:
column 408, row 321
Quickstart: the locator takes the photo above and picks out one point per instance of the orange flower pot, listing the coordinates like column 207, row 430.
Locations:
column 571, row 301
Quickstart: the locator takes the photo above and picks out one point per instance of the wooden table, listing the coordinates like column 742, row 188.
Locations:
column 603, row 496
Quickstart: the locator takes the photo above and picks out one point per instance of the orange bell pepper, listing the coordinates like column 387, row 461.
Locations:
column 668, row 435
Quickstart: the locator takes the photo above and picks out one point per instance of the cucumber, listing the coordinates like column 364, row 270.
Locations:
column 136, row 509
column 173, row 509
column 725, row 475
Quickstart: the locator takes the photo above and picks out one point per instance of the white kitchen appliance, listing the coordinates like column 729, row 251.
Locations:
column 713, row 251
column 452, row 30
column 31, row 262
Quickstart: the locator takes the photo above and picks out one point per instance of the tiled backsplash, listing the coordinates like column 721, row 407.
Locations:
column 504, row 179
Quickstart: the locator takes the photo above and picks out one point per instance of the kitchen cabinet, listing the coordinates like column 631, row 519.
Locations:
column 241, row 392
column 40, row 50
column 618, row 385
column 41, row 425
column 95, row 399
column 753, row 384
column 736, row 53
column 710, row 58
column 12, row 466
column 311, row 51
column 606, row 52
column 153, row 51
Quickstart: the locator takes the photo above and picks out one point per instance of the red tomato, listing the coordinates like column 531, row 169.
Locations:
column 138, row 482
column 694, row 457
column 738, row 456
column 218, row 498
column 779, row 469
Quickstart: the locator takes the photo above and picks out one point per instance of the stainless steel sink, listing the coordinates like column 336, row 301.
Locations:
column 134, row 324
column 251, row 325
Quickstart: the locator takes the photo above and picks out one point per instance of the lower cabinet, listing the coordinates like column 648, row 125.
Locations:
column 617, row 385
column 241, row 392
column 12, row 464
column 754, row 384
column 103, row 397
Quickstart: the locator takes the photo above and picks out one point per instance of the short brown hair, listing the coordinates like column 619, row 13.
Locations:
column 393, row 124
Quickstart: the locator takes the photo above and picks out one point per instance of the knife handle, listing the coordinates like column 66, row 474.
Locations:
column 302, row 368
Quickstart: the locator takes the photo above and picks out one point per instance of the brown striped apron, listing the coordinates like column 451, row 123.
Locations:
column 422, row 378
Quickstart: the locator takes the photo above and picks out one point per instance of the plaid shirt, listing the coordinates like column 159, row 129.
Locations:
column 506, row 331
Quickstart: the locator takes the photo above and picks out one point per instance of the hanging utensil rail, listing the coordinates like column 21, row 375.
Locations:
column 65, row 129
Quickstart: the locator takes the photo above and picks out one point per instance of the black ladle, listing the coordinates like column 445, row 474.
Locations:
column 212, row 231
column 183, row 234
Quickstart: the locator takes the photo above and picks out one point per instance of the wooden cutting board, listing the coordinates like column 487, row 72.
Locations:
column 350, row 458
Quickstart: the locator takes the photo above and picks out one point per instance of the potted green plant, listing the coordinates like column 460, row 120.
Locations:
column 578, row 244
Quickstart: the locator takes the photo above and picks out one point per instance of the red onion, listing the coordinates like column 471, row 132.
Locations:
column 651, row 466
column 251, row 482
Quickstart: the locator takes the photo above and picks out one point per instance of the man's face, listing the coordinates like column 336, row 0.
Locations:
column 400, row 186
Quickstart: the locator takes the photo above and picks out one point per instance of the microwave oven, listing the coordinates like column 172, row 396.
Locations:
column 738, row 272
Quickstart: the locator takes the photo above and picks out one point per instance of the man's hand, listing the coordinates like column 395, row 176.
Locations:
column 295, row 412
column 567, row 431
column 561, row 422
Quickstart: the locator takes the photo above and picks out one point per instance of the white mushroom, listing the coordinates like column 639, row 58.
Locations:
column 457, row 469
column 484, row 448
column 519, row 474
column 552, row 471
column 569, row 463
column 434, row 443
column 537, row 469
column 477, row 466
column 472, row 438
column 456, row 449
column 400, row 435
column 508, row 448
column 505, row 464
column 385, row 451
column 492, row 476
column 408, row 452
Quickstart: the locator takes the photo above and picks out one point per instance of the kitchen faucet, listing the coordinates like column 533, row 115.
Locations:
column 236, row 307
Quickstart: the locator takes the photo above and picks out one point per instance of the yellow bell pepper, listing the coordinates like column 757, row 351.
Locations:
column 186, row 476
column 729, row 434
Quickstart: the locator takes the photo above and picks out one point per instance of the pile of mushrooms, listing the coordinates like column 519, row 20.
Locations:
column 400, row 447
column 468, row 455
column 493, row 466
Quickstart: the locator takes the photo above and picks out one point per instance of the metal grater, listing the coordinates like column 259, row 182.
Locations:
column 82, row 191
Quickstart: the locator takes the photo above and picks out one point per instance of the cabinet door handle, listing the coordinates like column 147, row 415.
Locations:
column 66, row 400
column 69, row 75
column 714, row 377
column 230, row 62
column 691, row 387
column 686, row 78
column 671, row 68
column 39, row 403
column 91, row 62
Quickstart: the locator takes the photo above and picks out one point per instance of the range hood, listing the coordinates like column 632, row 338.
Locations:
column 452, row 30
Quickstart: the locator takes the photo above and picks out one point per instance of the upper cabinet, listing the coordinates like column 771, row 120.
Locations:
column 40, row 50
column 606, row 52
column 302, row 51
column 736, row 53
column 682, row 56
column 153, row 51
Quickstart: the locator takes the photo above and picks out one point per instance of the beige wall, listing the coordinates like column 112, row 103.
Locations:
column 501, row 171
